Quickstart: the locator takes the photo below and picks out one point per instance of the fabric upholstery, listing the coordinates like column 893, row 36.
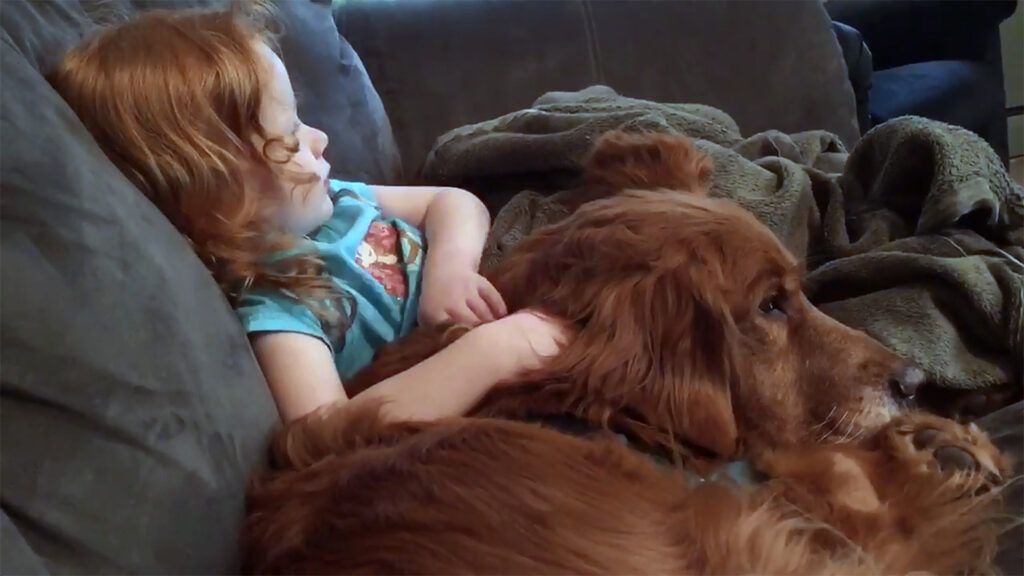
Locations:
column 962, row 92
column 133, row 410
column 770, row 64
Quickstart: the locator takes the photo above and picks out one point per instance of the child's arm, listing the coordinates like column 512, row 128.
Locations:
column 302, row 377
column 455, row 223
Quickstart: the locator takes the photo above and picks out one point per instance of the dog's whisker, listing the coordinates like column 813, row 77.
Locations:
column 854, row 433
column 828, row 433
column 846, row 435
column 824, row 420
column 860, row 434
column 839, row 427
column 839, row 424
column 851, row 432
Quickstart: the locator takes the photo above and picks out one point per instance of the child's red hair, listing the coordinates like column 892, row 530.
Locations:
column 173, row 99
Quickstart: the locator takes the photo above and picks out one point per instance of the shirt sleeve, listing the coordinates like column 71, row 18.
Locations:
column 266, row 312
column 360, row 190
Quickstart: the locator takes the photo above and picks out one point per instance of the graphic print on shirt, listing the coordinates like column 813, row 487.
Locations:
column 378, row 254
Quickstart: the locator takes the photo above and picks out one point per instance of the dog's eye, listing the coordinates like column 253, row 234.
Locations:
column 773, row 305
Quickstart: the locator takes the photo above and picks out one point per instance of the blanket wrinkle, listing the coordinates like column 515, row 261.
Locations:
column 916, row 236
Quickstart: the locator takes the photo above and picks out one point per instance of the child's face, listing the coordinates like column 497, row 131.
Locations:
column 303, row 179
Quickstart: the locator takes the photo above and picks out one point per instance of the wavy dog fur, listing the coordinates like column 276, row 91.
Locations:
column 692, row 339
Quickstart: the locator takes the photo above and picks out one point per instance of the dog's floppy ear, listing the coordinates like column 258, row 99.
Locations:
column 654, row 337
column 657, row 349
column 640, row 161
column 703, row 340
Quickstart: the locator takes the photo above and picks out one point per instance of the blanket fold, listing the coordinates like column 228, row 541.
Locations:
column 916, row 236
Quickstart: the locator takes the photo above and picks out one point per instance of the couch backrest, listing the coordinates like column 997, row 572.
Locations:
column 133, row 411
column 439, row 64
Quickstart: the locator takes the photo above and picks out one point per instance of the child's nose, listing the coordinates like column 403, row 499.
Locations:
column 319, row 143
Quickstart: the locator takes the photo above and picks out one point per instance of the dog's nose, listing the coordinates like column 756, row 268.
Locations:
column 906, row 380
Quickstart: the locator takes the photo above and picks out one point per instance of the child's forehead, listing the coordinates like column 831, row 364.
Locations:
column 276, row 86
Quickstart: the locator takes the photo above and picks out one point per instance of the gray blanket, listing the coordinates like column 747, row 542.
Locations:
column 916, row 237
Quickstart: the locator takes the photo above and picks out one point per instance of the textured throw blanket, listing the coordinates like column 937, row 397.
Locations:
column 916, row 236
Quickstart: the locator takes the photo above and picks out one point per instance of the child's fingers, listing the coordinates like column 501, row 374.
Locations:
column 493, row 298
column 479, row 308
column 430, row 318
column 463, row 314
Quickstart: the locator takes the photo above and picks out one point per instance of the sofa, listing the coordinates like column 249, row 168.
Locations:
column 133, row 411
column 940, row 59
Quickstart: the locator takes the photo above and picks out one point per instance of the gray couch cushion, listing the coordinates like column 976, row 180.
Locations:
column 768, row 64
column 18, row 557
column 335, row 95
column 133, row 410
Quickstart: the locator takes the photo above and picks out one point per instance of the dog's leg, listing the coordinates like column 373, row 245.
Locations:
column 830, row 484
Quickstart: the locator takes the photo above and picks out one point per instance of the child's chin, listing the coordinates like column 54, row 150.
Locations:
column 314, row 216
column 326, row 208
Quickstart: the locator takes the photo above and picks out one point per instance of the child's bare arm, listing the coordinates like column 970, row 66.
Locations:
column 302, row 376
column 455, row 224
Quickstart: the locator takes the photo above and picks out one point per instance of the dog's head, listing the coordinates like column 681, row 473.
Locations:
column 692, row 328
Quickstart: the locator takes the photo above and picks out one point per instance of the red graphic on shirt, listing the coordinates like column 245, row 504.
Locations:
column 378, row 255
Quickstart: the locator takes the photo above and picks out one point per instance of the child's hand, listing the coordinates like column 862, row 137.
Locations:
column 458, row 295
column 528, row 340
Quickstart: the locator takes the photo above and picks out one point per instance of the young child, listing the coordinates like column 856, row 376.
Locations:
column 198, row 111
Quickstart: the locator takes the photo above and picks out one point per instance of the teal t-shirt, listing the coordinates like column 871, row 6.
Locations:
column 376, row 260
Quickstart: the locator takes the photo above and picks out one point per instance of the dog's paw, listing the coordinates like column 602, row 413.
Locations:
column 928, row 444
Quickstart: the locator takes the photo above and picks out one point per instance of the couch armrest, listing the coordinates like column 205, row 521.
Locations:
column 859, row 69
column 909, row 31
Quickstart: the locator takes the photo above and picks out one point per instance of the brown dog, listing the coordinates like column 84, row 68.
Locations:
column 692, row 339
